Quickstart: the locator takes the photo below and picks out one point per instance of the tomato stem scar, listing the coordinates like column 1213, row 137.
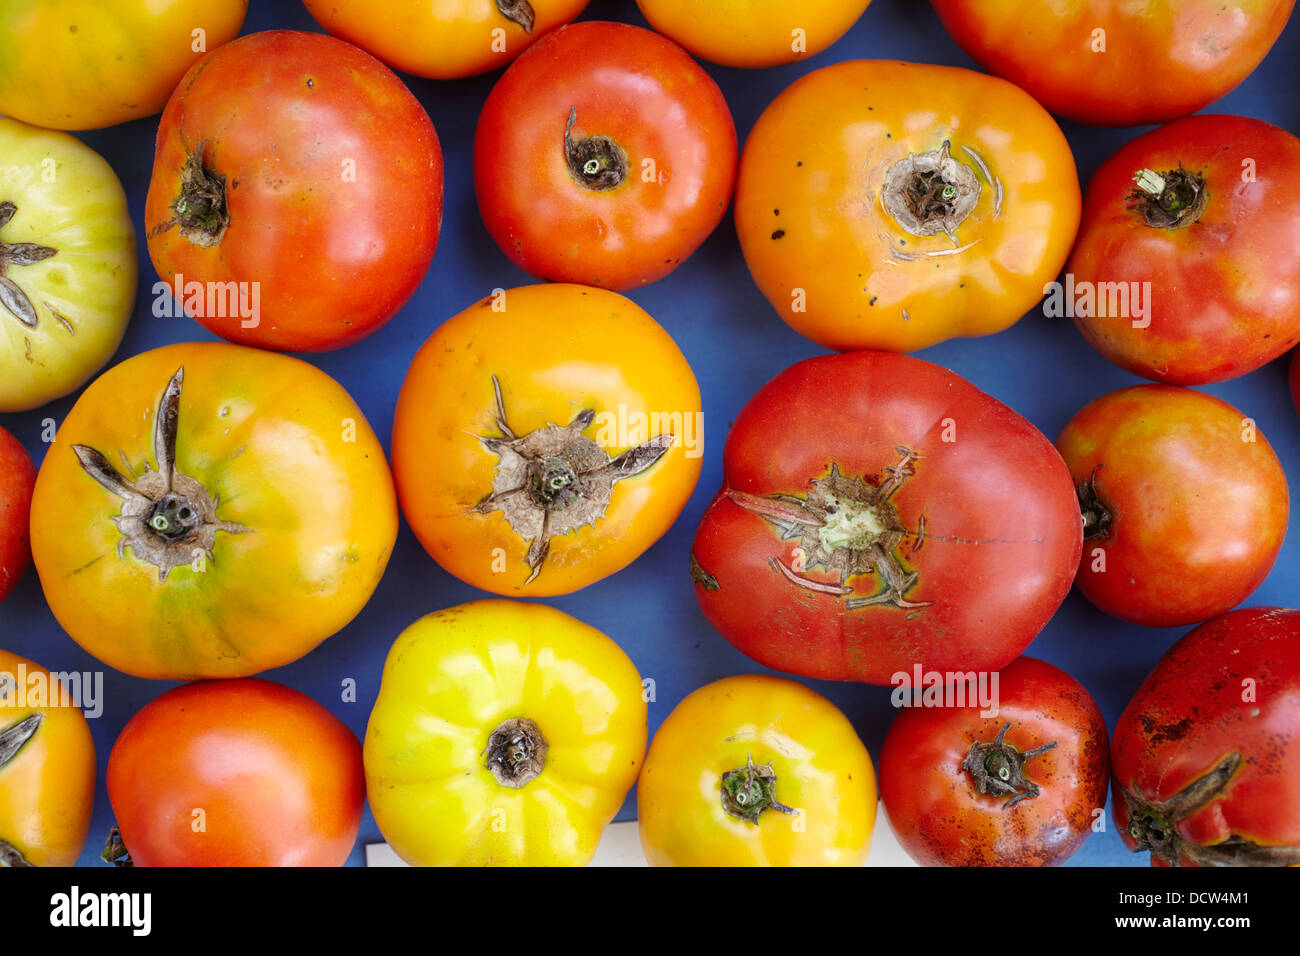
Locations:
column 516, row 752
column 997, row 768
column 750, row 790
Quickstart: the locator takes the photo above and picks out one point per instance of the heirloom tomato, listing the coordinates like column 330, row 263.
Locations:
column 605, row 155
column 888, row 205
column 235, row 773
column 1195, row 271
column 1184, row 503
column 448, row 39
column 753, row 33
column 877, row 512
column 505, row 734
column 756, row 771
column 67, row 264
column 47, row 768
column 296, row 197
column 17, row 476
column 544, row 438
column 1115, row 62
column 84, row 64
column 209, row 510
column 1014, row 778
column 1206, row 757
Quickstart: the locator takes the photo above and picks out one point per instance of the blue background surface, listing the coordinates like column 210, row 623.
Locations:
column 735, row 343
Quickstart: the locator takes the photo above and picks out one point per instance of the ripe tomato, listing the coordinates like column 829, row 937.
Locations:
column 67, row 264
column 1184, row 502
column 17, row 476
column 605, row 155
column 296, row 197
column 236, row 773
column 448, row 39
column 47, row 768
column 753, row 33
column 856, row 536
column 1116, row 63
column 756, row 771
column 1208, row 243
column 1206, row 756
column 504, row 734
column 85, row 64
column 544, row 438
column 252, row 516
column 1022, row 787
column 887, row 205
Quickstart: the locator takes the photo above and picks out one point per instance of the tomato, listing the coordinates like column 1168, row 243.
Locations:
column 47, row 767
column 17, row 476
column 1206, row 756
column 85, row 64
column 1184, row 502
column 605, row 155
column 1020, row 783
column 211, row 511
column 753, row 33
column 448, row 39
column 1195, row 273
column 888, row 205
column 544, row 438
column 300, row 169
column 756, row 771
column 504, row 733
column 67, row 265
column 236, row 773
column 878, row 511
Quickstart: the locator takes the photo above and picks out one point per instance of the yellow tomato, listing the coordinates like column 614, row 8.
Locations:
column 544, row 438
column 86, row 64
column 444, row 39
column 753, row 33
column 67, row 264
column 47, row 768
column 209, row 510
column 756, row 771
column 888, row 205
column 505, row 733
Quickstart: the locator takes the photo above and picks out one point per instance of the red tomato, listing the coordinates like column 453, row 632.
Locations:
column 604, row 156
column 1206, row 756
column 1021, row 787
column 17, row 479
column 1184, row 502
column 1206, row 248
column 301, row 167
column 236, row 773
column 1116, row 62
column 878, row 511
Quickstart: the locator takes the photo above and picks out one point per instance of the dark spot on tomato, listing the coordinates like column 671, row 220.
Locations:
column 778, row 234
column 872, row 300
column 311, row 84
column 72, row 28
column 776, row 212
column 799, row 162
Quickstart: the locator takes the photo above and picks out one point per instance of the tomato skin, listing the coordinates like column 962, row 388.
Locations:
column 1197, row 511
column 998, row 487
column 85, row 64
column 753, row 33
column 555, row 350
column 839, row 267
column 1224, row 291
column 286, row 453
column 1162, row 59
column 17, row 478
column 47, row 790
column 822, row 770
column 452, row 40
column 934, row 806
column 638, row 89
column 333, row 183
column 1231, row 685
column 278, row 777
column 455, row 676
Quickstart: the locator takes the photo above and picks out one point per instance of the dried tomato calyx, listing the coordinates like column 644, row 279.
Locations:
column 998, row 768
column 10, row 855
column 14, row 737
column 595, row 162
column 749, row 791
column 115, row 850
column 930, row 193
column 200, row 210
column 516, row 752
column 14, row 300
column 518, row 11
column 1096, row 516
column 1169, row 200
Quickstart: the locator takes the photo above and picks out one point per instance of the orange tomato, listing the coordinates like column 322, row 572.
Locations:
column 544, row 438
